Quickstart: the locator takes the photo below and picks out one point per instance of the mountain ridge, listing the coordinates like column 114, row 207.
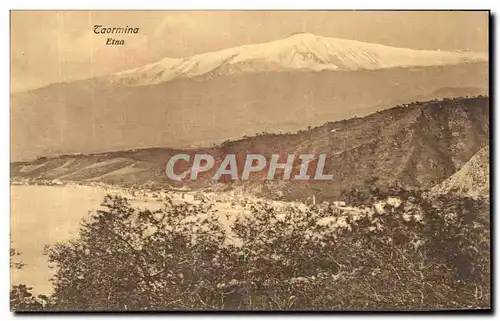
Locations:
column 89, row 116
column 203, row 101
column 299, row 51
column 417, row 145
column 472, row 179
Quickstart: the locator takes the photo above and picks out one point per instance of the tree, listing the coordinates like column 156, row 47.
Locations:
column 399, row 250
column 15, row 264
column 22, row 297
column 130, row 259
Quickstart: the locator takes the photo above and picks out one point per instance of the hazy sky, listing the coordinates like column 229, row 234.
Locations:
column 52, row 46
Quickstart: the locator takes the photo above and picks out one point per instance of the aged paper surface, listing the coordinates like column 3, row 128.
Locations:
column 237, row 160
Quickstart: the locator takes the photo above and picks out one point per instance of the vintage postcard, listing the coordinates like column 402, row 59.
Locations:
column 250, row 160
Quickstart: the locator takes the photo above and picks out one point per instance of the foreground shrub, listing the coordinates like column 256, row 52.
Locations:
column 398, row 252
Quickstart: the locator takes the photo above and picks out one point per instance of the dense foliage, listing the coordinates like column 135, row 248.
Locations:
column 392, row 252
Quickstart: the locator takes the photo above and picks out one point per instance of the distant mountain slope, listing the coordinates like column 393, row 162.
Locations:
column 300, row 51
column 283, row 85
column 473, row 179
column 418, row 146
column 95, row 116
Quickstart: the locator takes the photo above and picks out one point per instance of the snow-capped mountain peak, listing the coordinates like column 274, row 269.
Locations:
column 299, row 51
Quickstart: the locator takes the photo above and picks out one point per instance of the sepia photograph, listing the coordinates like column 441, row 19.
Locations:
column 252, row 160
